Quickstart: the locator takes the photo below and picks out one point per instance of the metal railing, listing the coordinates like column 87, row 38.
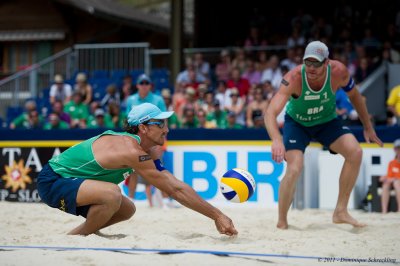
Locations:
column 29, row 83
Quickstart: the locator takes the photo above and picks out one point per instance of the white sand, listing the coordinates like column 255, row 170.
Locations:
column 311, row 234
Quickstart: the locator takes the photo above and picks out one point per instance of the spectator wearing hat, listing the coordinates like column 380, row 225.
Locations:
column 83, row 88
column 101, row 120
column 392, row 178
column 60, row 90
column 145, row 95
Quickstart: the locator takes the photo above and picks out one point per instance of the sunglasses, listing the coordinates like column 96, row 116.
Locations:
column 144, row 83
column 160, row 124
column 313, row 63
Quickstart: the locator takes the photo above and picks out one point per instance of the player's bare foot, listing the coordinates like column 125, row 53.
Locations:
column 282, row 225
column 345, row 218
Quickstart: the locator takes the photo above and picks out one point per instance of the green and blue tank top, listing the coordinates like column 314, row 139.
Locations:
column 78, row 162
column 313, row 107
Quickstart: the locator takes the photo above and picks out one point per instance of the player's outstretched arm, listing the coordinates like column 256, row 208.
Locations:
column 185, row 195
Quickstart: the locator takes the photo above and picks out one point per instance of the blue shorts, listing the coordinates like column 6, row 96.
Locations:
column 59, row 192
column 297, row 136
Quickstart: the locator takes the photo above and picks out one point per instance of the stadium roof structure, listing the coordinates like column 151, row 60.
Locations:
column 123, row 13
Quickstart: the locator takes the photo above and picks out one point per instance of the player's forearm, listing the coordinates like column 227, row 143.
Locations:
column 189, row 198
column 361, row 108
column 272, row 126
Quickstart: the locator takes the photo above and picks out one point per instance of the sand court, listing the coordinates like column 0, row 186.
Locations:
column 35, row 234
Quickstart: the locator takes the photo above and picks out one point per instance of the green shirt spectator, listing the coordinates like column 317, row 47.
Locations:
column 78, row 111
column 55, row 123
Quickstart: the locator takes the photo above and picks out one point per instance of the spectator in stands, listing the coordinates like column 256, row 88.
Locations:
column 35, row 121
column 256, row 108
column 392, row 178
column 238, row 82
column 239, row 61
column 224, row 66
column 231, row 121
column 222, row 94
column 54, row 122
column 116, row 115
column 254, row 39
column 58, row 108
column 112, row 95
column 145, row 95
column 188, row 103
column 101, row 120
column 201, row 66
column 289, row 61
column 24, row 120
column 362, row 71
column 59, row 90
column 189, row 119
column 84, row 88
column 218, row 116
column 189, row 76
column 262, row 62
column 389, row 54
column 268, row 90
column 251, row 73
column 127, row 90
column 236, row 105
column 77, row 110
column 393, row 103
column 202, row 120
column 173, row 121
column 273, row 72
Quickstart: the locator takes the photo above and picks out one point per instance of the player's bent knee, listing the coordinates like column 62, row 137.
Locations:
column 113, row 196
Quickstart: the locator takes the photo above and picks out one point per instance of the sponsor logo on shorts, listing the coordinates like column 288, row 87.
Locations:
column 63, row 205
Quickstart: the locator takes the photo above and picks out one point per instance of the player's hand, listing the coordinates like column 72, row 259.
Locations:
column 278, row 151
column 370, row 135
column 225, row 225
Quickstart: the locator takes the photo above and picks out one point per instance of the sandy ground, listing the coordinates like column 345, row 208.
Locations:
column 311, row 240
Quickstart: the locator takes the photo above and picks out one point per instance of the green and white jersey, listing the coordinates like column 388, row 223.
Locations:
column 79, row 162
column 313, row 107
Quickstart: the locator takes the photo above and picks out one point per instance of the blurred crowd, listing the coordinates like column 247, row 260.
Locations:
column 233, row 90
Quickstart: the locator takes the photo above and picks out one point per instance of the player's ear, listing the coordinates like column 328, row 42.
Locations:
column 142, row 128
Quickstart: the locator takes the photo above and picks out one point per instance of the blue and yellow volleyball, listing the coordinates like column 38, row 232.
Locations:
column 237, row 185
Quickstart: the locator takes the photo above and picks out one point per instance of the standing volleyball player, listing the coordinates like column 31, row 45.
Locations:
column 309, row 90
column 83, row 180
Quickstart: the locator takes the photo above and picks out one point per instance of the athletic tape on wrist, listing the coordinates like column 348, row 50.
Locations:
column 159, row 165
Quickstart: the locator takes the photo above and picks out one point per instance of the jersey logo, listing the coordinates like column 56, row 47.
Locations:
column 312, row 97
column 292, row 141
column 314, row 110
column 126, row 175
